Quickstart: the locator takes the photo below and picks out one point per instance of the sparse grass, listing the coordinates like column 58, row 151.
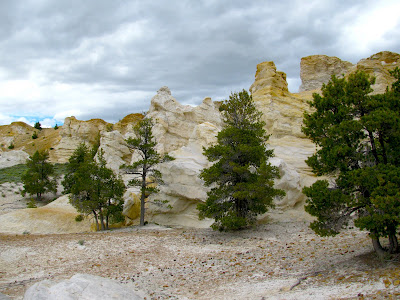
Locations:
column 14, row 173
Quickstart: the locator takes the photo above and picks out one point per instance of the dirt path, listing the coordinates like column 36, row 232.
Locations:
column 276, row 261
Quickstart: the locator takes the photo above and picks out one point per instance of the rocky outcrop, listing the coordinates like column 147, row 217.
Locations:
column 184, row 189
column 115, row 149
column 379, row 65
column 316, row 70
column 83, row 287
column 269, row 80
column 11, row 158
column 174, row 122
column 56, row 217
column 73, row 133
column 183, row 131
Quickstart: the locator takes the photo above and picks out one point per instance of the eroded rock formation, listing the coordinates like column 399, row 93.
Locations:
column 183, row 131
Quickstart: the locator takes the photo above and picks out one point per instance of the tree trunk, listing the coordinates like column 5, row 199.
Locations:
column 378, row 247
column 373, row 147
column 143, row 197
column 102, row 221
column 394, row 245
column 97, row 220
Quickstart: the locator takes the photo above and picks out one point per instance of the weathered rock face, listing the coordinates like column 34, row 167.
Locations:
column 73, row 133
column 183, row 131
column 116, row 151
column 56, row 217
column 378, row 65
column 269, row 80
column 318, row 69
column 82, row 286
column 11, row 158
column 184, row 189
column 174, row 122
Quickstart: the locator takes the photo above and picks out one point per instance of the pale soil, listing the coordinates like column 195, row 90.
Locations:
column 275, row 261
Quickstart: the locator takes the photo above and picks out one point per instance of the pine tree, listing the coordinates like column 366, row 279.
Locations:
column 148, row 176
column 358, row 139
column 39, row 178
column 94, row 188
column 241, row 178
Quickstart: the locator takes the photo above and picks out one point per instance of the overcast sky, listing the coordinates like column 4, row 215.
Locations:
column 107, row 58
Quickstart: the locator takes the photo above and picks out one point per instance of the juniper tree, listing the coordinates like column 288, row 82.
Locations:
column 358, row 139
column 40, row 176
column 241, row 178
column 147, row 175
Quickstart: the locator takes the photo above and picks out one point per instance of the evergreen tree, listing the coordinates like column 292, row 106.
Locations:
column 38, row 126
column 39, row 178
column 241, row 178
column 358, row 139
column 94, row 188
column 148, row 176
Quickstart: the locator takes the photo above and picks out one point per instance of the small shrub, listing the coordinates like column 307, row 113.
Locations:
column 79, row 218
column 3, row 195
column 34, row 136
column 110, row 127
column 31, row 204
column 11, row 146
column 56, row 127
column 81, row 242
column 26, row 232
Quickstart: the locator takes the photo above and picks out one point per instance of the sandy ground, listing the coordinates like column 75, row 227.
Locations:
column 275, row 261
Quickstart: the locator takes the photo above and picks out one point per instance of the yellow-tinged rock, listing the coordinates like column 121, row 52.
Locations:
column 56, row 217
column 131, row 206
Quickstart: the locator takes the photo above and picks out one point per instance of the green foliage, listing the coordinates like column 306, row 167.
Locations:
column 358, row 139
column 12, row 174
column 79, row 218
column 11, row 146
column 38, row 126
column 94, row 188
column 56, row 127
column 31, row 204
column 148, row 176
column 241, row 178
column 39, row 177
column 34, row 135
column 81, row 242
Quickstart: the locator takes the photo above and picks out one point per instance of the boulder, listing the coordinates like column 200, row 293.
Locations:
column 82, row 287
column 131, row 208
